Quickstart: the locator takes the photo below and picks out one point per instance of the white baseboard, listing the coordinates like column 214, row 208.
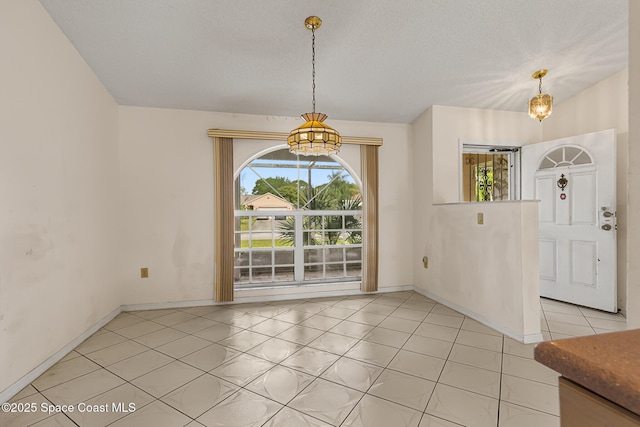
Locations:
column 386, row 289
column 319, row 292
column 174, row 304
column 259, row 294
column 15, row 388
column 526, row 339
column 533, row 338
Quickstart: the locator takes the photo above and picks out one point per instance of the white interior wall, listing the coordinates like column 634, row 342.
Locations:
column 599, row 107
column 58, row 190
column 423, row 159
column 166, row 164
column 633, row 176
column 488, row 271
column 166, row 181
column 579, row 115
column 451, row 124
column 450, row 235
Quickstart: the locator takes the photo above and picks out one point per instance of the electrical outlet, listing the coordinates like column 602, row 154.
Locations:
column 480, row 218
column 144, row 273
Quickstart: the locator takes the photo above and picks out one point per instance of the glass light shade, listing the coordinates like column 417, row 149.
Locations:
column 540, row 106
column 314, row 138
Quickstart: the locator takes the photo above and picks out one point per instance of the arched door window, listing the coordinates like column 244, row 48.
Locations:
column 565, row 156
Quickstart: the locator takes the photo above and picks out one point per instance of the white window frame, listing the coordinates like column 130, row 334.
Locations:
column 473, row 146
column 298, row 247
column 298, row 250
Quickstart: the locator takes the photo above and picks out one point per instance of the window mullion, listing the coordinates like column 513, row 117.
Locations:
column 273, row 249
column 298, row 251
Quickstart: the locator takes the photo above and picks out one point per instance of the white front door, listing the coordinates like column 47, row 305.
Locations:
column 575, row 180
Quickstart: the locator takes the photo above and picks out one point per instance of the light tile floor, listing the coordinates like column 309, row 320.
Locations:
column 397, row 359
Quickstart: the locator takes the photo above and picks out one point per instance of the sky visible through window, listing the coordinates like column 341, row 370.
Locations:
column 321, row 172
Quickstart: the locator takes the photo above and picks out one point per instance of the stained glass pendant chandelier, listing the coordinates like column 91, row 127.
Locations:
column 314, row 138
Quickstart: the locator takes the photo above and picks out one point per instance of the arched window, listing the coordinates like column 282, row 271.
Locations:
column 297, row 220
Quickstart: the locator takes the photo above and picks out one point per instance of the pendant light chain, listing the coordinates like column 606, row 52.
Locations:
column 313, row 65
column 314, row 138
column 540, row 86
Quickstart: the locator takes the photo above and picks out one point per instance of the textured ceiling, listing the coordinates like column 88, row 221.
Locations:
column 376, row 60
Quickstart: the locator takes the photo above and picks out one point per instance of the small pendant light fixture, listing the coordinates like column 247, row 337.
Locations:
column 314, row 138
column 540, row 106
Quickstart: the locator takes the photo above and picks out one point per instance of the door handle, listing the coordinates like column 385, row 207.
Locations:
column 606, row 227
column 607, row 214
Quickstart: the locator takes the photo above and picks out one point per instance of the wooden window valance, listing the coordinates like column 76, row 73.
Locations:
column 281, row 136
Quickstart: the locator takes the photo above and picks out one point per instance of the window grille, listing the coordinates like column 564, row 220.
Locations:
column 488, row 174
